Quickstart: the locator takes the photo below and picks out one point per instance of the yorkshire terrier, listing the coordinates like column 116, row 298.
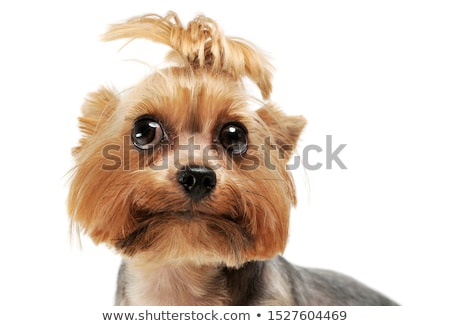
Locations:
column 189, row 183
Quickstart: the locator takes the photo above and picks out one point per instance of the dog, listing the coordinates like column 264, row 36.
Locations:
column 188, row 182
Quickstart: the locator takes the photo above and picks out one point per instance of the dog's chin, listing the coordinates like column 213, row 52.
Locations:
column 186, row 235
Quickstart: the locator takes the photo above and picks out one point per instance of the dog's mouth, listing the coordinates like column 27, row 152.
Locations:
column 155, row 228
column 142, row 215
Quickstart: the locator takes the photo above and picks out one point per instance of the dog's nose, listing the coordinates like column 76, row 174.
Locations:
column 197, row 181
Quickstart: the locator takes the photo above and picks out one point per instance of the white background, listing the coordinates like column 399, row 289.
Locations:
column 375, row 76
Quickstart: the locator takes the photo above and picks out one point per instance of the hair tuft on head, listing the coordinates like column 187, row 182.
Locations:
column 201, row 45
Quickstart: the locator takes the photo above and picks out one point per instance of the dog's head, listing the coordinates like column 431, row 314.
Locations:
column 180, row 167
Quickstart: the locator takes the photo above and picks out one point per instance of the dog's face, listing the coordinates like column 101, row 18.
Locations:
column 181, row 169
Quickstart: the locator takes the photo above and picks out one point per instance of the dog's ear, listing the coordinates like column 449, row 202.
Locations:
column 96, row 109
column 285, row 130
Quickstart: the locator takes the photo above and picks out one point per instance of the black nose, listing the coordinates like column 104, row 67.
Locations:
column 197, row 181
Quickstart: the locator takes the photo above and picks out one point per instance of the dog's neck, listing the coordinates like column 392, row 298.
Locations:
column 184, row 284
column 257, row 282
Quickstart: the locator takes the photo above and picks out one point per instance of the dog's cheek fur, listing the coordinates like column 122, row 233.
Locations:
column 94, row 202
column 269, row 189
column 270, row 220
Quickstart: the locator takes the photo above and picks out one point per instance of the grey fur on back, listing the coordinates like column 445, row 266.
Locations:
column 319, row 287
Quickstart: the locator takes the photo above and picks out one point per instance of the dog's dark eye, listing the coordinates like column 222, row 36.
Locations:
column 233, row 138
column 146, row 133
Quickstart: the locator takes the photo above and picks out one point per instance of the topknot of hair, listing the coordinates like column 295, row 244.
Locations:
column 200, row 45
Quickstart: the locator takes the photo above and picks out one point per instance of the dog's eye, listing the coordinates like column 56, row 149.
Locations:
column 146, row 133
column 234, row 139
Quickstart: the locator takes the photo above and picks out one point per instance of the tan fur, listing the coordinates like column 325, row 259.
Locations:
column 200, row 45
column 174, row 284
column 245, row 218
